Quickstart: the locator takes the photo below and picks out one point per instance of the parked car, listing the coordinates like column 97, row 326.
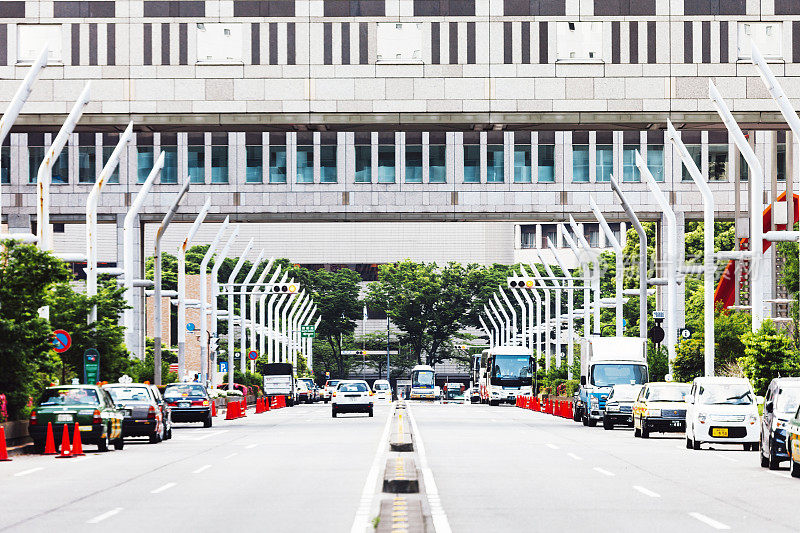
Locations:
column 437, row 392
column 330, row 388
column 780, row 404
column 166, row 411
column 619, row 405
column 98, row 418
column 793, row 443
column 475, row 395
column 312, row 389
column 722, row 410
column 189, row 403
column 661, row 406
column 352, row 396
column 382, row 389
column 302, row 393
column 143, row 414
column 454, row 393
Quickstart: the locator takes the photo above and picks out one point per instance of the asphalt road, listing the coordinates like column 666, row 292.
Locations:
column 484, row 469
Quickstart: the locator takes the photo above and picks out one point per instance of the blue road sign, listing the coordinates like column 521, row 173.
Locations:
column 190, row 326
column 223, row 366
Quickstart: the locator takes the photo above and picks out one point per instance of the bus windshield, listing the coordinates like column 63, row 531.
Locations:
column 515, row 368
column 607, row 375
column 422, row 379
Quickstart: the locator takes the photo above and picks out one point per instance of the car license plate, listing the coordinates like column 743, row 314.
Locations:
column 719, row 432
column 64, row 418
column 183, row 404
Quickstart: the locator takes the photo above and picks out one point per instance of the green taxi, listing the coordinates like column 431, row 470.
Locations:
column 98, row 418
column 793, row 444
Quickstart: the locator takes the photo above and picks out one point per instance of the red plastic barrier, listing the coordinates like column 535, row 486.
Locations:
column 231, row 413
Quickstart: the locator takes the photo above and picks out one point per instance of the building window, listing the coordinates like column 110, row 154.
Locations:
column 219, row 164
column 717, row 162
column 31, row 39
column 61, row 168
column 437, row 168
column 494, row 163
column 5, row 164
column 197, row 163
column 695, row 151
column 605, row 162
column 549, row 231
column 35, row 158
column 580, row 163
column 413, row 163
column 765, row 35
column 107, row 151
column 528, row 237
column 630, row 172
column 399, row 42
column 522, row 164
column 655, row 161
column 327, row 164
column 781, row 170
column 547, row 164
column 305, row 164
column 277, row 164
column 254, row 163
column 363, row 163
column 86, row 164
column 386, row 163
column 744, row 171
column 591, row 232
column 472, row 163
column 579, row 41
column 219, row 43
column 145, row 161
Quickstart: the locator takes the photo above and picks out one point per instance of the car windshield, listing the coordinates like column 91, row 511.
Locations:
column 129, row 394
column 606, row 375
column 183, row 390
column 512, row 366
column 352, row 387
column 668, row 394
column 70, row 397
column 788, row 401
column 726, row 394
column 453, row 394
column 332, row 383
column 381, row 386
column 422, row 378
column 627, row 394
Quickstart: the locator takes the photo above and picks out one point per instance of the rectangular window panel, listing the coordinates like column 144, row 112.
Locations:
column 61, row 168
column 522, row 164
column 655, row 161
column 107, row 151
column 472, row 163
column 580, row 163
column 437, row 168
column 717, row 162
column 86, row 164
column 386, row 164
column 579, row 41
column 197, row 164
column 695, row 150
column 277, row 164
column 766, row 36
column 144, row 162
column 305, row 164
column 363, row 164
column 413, row 163
column 605, row 162
column 547, row 163
column 745, row 170
column 31, row 39
column 399, row 42
column 254, row 165
column 494, row 163
column 781, row 162
column 327, row 164
column 630, row 172
column 219, row 164
column 219, row 43
column 5, row 164
column 35, row 158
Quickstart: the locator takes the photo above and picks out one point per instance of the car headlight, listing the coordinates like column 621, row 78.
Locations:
column 594, row 401
column 753, row 418
column 612, row 407
column 653, row 412
column 701, row 417
column 778, row 424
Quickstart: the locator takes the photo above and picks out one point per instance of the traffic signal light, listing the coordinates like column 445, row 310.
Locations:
column 212, row 344
column 284, row 288
column 521, row 283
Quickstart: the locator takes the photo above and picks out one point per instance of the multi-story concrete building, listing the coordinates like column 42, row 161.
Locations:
column 329, row 125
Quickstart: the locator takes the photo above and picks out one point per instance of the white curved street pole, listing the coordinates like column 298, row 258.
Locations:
column 204, row 305
column 501, row 331
column 670, row 264
column 258, row 289
column 182, row 287
column 246, row 291
column 570, row 311
column 547, row 325
column 218, row 262
column 262, row 304
column 487, row 331
column 14, row 108
column 288, row 316
column 495, row 331
column 311, row 344
column 586, row 273
column 642, row 257
column 538, row 344
column 524, row 325
column 45, row 173
column 506, row 321
column 279, row 318
column 273, row 313
column 131, row 340
column 513, row 311
column 299, row 320
column 92, row 202
column 557, row 284
column 595, row 269
column 618, row 288
column 756, row 177
column 708, row 246
column 291, row 337
column 157, row 315
column 304, row 345
column 231, row 316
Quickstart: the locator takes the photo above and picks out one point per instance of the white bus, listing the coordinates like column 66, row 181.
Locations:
column 509, row 373
column 423, row 380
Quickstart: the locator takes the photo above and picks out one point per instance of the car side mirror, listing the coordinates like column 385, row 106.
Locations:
column 760, row 400
column 583, row 380
column 768, row 407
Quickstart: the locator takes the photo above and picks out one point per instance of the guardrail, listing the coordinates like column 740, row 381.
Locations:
column 552, row 405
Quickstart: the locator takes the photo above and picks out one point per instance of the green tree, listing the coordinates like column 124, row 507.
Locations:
column 768, row 354
column 336, row 295
column 27, row 361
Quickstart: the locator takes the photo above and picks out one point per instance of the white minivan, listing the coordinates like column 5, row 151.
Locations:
column 383, row 390
column 722, row 410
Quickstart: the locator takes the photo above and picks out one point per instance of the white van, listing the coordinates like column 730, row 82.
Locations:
column 383, row 390
column 722, row 410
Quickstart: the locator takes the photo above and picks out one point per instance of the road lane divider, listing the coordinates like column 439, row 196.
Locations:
column 552, row 446
column 162, row 488
column 234, row 454
column 709, row 521
column 201, row 469
column 28, row 471
column 368, row 492
column 603, row 471
column 401, row 440
column 646, row 492
column 400, row 475
column 576, row 457
column 108, row 514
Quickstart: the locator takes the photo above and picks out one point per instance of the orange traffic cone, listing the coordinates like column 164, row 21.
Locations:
column 213, row 408
column 77, row 446
column 266, row 403
column 65, row 451
column 258, row 405
column 3, row 451
column 230, row 411
column 244, row 407
column 50, row 442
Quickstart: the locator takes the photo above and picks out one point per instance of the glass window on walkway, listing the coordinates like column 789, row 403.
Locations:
column 437, row 166
column 219, row 164
column 605, row 162
column 35, row 155
column 304, row 168
column 547, row 163
column 717, row 162
column 254, row 163
column 87, row 169
column 327, row 163
column 413, row 163
column 386, row 172
column 692, row 141
column 363, row 163
column 61, row 168
column 197, row 158
column 5, row 164
column 580, row 163
column 528, row 236
column 522, row 163
column 655, row 161
column 494, row 163
column 107, row 151
column 472, row 163
column 781, row 170
column 630, row 172
column 277, row 162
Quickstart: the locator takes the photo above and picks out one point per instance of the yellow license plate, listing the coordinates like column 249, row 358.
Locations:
column 719, row 432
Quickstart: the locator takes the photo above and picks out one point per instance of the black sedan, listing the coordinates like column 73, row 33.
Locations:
column 144, row 416
column 189, row 403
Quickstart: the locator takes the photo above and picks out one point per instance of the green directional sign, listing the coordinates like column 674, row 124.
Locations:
column 91, row 366
column 307, row 331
